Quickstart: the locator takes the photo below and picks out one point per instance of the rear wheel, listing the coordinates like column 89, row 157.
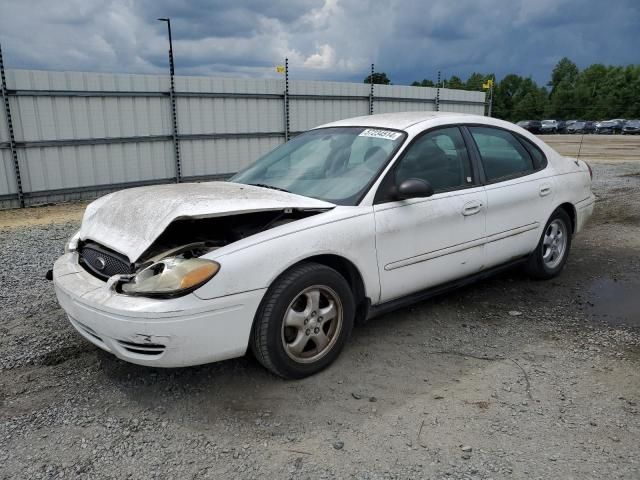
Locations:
column 551, row 254
column 304, row 321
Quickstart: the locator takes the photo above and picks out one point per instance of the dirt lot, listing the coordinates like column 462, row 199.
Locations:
column 596, row 147
column 508, row 378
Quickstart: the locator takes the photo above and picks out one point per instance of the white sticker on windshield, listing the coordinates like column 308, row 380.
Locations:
column 375, row 133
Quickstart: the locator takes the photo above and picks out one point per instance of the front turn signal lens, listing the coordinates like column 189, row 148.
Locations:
column 199, row 275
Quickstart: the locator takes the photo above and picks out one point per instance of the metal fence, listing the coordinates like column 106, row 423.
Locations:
column 76, row 135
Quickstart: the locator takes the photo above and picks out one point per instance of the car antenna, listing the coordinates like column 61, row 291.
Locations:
column 579, row 149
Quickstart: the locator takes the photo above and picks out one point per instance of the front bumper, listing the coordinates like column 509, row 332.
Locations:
column 174, row 332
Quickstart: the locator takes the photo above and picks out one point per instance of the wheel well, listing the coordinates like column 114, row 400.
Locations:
column 345, row 268
column 571, row 211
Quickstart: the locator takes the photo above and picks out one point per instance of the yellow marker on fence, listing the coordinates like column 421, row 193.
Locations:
column 279, row 68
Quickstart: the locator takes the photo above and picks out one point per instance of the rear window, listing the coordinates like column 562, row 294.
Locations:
column 539, row 158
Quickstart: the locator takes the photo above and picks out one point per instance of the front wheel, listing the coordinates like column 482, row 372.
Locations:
column 550, row 256
column 304, row 321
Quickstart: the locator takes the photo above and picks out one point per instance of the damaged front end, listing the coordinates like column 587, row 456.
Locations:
column 172, row 265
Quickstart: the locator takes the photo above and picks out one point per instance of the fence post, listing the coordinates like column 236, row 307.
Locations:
column 371, row 91
column 286, row 100
column 438, row 93
column 12, row 138
column 174, row 109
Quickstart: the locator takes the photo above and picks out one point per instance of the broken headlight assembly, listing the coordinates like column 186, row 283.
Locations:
column 169, row 277
column 72, row 243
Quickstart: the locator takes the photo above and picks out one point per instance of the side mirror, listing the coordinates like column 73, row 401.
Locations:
column 413, row 188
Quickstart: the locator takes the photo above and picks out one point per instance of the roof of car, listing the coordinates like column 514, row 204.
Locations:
column 399, row 121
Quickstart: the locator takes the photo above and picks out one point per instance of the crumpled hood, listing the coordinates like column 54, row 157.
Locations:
column 129, row 221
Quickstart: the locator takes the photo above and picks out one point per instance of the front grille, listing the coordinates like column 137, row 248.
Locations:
column 103, row 263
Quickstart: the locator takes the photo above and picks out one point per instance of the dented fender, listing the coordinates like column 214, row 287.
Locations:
column 256, row 261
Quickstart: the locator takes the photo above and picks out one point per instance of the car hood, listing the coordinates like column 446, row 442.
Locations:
column 129, row 221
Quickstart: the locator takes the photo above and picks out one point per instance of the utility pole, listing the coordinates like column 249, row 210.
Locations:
column 488, row 85
column 491, row 99
column 174, row 109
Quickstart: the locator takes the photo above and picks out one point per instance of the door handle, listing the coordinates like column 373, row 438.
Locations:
column 471, row 208
column 545, row 190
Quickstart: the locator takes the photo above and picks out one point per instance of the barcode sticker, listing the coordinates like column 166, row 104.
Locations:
column 376, row 133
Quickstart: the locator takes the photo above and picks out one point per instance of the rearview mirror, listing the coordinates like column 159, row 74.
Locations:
column 414, row 188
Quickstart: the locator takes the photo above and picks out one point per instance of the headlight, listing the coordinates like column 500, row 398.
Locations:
column 171, row 276
column 72, row 243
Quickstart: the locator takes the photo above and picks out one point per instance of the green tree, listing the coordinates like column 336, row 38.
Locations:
column 423, row 83
column 379, row 78
column 596, row 93
column 505, row 96
column 454, row 82
column 564, row 71
column 475, row 81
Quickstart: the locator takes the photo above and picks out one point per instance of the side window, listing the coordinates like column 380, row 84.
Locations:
column 502, row 154
column 439, row 157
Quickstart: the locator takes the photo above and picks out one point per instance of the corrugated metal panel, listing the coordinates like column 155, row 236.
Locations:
column 310, row 112
column 51, row 168
column 310, row 87
column 78, row 81
column 7, row 175
column 390, row 106
column 462, row 95
column 220, row 156
column 4, row 130
column 58, row 118
column 197, row 115
column 306, row 114
column 402, row 91
column 229, row 85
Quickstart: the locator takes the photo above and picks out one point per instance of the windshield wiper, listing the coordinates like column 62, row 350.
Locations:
column 264, row 185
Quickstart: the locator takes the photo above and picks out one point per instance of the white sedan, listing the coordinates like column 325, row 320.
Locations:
column 342, row 223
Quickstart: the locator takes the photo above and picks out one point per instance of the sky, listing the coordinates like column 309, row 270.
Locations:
column 323, row 39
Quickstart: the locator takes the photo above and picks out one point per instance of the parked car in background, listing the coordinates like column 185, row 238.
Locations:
column 610, row 126
column 344, row 222
column 582, row 126
column 531, row 125
column 551, row 126
column 566, row 125
column 631, row 127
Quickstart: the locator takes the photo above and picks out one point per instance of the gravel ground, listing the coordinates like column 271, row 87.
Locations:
column 507, row 378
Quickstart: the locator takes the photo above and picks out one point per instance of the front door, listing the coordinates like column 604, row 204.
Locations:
column 424, row 242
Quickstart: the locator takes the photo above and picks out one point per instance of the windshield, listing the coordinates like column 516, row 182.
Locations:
column 333, row 164
column 548, row 122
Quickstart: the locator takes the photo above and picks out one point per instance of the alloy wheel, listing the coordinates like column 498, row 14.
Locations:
column 312, row 324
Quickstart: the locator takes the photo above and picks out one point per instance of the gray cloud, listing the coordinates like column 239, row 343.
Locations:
column 324, row 39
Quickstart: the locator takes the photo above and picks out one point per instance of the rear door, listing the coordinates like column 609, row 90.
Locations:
column 519, row 189
column 423, row 242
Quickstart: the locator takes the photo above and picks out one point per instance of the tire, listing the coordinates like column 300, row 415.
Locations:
column 290, row 335
column 552, row 251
